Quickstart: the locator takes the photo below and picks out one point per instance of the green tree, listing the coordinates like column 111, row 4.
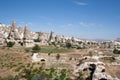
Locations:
column 37, row 40
column 68, row 45
column 115, row 51
column 36, row 48
column 119, row 52
column 10, row 44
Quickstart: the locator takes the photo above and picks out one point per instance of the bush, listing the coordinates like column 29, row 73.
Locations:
column 10, row 44
column 27, row 50
column 36, row 48
column 68, row 45
column 79, row 47
column 115, row 51
column 58, row 56
column 37, row 40
column 40, row 73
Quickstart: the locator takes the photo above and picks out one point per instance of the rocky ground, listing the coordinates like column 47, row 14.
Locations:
column 95, row 64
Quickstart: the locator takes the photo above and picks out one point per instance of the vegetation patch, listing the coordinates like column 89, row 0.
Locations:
column 115, row 51
column 47, row 49
column 108, row 59
column 53, row 50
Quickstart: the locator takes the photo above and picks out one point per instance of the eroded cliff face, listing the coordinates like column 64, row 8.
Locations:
column 15, row 34
column 4, row 30
column 26, row 37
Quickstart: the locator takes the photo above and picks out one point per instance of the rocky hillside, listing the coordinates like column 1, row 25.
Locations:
column 27, row 38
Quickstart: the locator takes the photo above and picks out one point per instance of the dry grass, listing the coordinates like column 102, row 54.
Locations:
column 10, row 60
column 14, row 59
column 114, row 71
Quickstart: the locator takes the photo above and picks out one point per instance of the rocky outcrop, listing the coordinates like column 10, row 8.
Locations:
column 52, row 37
column 36, row 58
column 43, row 37
column 96, row 71
column 14, row 34
column 27, row 41
column 17, row 34
column 21, row 32
column 26, row 33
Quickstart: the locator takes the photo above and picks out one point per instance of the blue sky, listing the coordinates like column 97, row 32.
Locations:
column 90, row 19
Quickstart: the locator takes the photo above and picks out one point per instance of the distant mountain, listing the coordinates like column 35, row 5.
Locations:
column 118, row 39
column 98, row 40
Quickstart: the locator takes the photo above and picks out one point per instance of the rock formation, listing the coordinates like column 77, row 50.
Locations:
column 43, row 37
column 27, row 41
column 21, row 32
column 14, row 34
column 52, row 37
column 26, row 33
column 17, row 34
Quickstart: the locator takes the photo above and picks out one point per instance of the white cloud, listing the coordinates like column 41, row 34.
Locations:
column 83, row 24
column 80, row 3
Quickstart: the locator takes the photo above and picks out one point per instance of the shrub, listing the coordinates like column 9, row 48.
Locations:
column 68, row 45
column 115, row 51
column 27, row 50
column 58, row 56
column 37, row 40
column 40, row 73
column 36, row 48
column 10, row 44
column 79, row 47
